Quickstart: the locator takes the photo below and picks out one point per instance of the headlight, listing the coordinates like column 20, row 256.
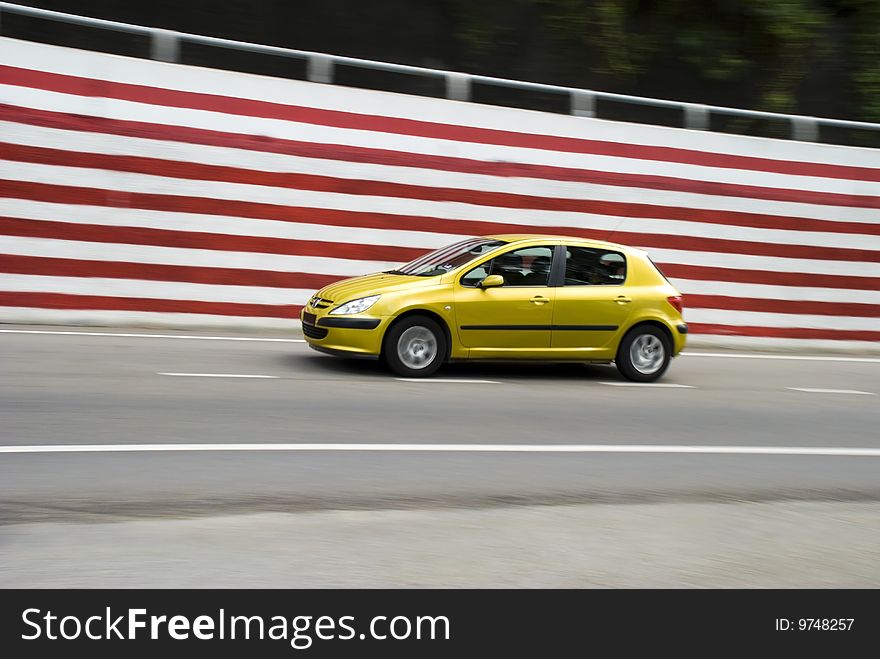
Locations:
column 356, row 306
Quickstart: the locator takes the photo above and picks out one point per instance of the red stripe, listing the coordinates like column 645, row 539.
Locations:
column 806, row 280
column 38, row 265
column 856, row 309
column 106, row 303
column 206, row 206
column 55, row 267
column 784, row 332
column 194, row 240
column 319, row 183
column 253, row 108
column 346, row 153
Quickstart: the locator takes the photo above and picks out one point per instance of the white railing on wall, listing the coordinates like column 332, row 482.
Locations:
column 320, row 67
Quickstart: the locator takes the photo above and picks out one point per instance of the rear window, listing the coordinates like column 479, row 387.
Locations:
column 585, row 266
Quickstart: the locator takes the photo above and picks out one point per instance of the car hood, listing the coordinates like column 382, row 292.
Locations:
column 374, row 284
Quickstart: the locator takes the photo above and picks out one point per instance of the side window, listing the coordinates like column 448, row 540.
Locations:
column 529, row 266
column 586, row 265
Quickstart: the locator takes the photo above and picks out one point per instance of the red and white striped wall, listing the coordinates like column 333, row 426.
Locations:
column 139, row 192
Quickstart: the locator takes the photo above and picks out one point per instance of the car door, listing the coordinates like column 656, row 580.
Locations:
column 592, row 304
column 515, row 317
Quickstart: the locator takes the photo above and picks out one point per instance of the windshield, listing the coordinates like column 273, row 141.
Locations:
column 448, row 258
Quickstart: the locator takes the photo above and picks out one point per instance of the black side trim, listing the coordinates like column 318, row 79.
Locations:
column 585, row 328
column 555, row 328
column 342, row 353
column 505, row 327
column 682, row 329
column 350, row 323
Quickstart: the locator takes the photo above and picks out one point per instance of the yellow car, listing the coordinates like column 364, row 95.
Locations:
column 507, row 297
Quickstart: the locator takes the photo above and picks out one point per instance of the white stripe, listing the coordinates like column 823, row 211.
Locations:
column 197, row 79
column 146, row 319
column 808, row 358
column 260, row 161
column 219, row 375
column 221, row 224
column 761, row 319
column 436, row 209
column 831, row 391
column 73, row 249
column 447, row 381
column 769, row 291
column 244, row 157
column 771, row 263
column 150, row 254
column 150, row 183
column 157, row 336
column 165, row 290
column 227, row 224
column 453, row 448
column 653, row 385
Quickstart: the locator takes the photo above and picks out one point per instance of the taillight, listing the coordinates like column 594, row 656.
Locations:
column 676, row 302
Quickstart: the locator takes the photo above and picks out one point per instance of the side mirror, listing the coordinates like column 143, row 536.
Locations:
column 492, row 281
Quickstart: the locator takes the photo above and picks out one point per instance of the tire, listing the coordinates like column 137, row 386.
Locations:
column 644, row 354
column 415, row 347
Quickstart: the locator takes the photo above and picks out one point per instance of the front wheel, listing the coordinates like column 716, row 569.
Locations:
column 644, row 354
column 415, row 347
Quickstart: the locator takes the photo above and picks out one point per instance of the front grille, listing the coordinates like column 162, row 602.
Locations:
column 314, row 332
column 320, row 303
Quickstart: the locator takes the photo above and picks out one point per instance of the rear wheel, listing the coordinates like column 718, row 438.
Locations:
column 415, row 347
column 644, row 354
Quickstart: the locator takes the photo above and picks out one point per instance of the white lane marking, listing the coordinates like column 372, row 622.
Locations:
column 649, row 384
column 753, row 355
column 831, row 391
column 156, row 336
column 453, row 448
column 220, row 375
column 448, row 380
column 725, row 355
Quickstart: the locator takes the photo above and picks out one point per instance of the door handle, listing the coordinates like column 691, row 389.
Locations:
column 539, row 299
column 622, row 299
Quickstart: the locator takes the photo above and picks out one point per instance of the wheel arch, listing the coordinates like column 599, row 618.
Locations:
column 433, row 315
column 653, row 323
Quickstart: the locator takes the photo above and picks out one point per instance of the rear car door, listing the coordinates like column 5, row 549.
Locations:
column 592, row 304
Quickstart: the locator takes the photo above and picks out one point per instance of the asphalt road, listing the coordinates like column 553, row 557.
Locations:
column 74, row 389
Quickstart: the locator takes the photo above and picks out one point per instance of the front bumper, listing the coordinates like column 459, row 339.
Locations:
column 352, row 335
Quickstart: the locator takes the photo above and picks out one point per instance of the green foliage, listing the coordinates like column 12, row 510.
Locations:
column 866, row 56
column 806, row 56
column 763, row 49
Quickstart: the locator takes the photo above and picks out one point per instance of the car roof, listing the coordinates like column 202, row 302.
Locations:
column 513, row 238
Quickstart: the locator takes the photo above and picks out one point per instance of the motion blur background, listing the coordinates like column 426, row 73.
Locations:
column 186, row 185
column 814, row 57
